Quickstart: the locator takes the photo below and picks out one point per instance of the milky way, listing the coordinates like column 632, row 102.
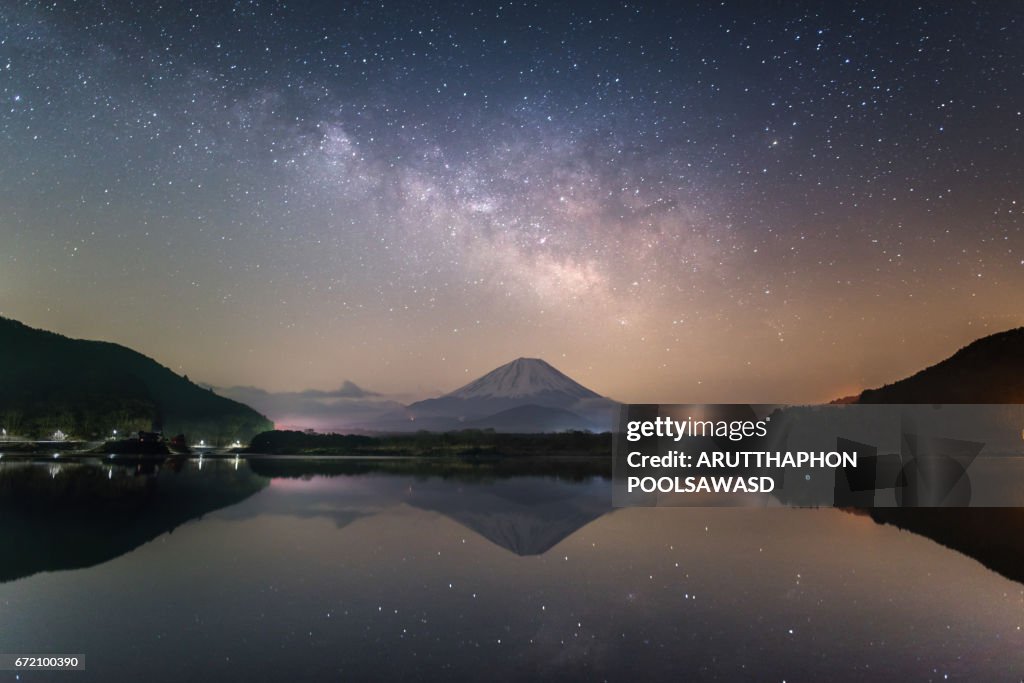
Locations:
column 714, row 202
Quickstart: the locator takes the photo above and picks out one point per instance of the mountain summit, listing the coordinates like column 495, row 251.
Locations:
column 527, row 394
column 523, row 378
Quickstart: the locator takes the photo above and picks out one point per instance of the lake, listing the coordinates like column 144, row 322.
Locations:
column 238, row 570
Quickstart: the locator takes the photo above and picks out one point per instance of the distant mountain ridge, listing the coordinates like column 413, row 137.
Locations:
column 988, row 370
column 343, row 409
column 86, row 389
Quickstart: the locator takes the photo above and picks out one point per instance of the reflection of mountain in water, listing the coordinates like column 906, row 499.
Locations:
column 82, row 516
column 516, row 503
column 72, row 516
column 528, row 515
column 526, row 512
column 992, row 536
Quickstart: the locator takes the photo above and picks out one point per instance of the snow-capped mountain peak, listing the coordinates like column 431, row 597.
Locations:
column 522, row 378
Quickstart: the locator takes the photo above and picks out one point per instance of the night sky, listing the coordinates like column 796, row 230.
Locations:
column 719, row 202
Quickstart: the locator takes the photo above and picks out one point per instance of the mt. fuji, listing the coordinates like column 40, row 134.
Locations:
column 525, row 378
column 525, row 388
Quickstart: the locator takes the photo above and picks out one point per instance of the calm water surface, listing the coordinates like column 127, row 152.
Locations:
column 222, row 573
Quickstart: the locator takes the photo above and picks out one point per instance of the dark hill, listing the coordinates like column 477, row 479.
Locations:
column 88, row 388
column 989, row 370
